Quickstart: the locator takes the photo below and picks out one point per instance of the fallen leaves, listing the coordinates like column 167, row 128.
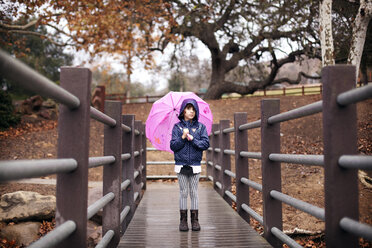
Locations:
column 8, row 244
column 46, row 227
column 24, row 128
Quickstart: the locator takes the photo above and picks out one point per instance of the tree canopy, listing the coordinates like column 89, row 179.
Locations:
column 130, row 28
column 40, row 54
column 236, row 32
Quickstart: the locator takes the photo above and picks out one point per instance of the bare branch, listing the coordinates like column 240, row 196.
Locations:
column 19, row 27
column 296, row 81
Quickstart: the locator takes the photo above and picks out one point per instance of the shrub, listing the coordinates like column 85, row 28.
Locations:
column 8, row 117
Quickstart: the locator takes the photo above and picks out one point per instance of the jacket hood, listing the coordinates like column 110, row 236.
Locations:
column 183, row 105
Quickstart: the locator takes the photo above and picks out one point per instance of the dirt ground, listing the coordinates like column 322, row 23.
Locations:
column 297, row 136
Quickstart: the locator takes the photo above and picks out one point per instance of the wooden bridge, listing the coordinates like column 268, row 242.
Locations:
column 134, row 219
column 155, row 223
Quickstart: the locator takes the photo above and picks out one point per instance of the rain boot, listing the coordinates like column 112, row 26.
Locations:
column 194, row 220
column 183, row 221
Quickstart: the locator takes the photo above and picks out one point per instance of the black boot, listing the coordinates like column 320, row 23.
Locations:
column 194, row 220
column 183, row 221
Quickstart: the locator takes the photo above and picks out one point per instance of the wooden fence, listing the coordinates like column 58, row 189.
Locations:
column 99, row 95
column 340, row 162
column 124, row 160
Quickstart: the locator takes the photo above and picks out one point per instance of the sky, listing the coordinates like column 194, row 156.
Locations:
column 140, row 74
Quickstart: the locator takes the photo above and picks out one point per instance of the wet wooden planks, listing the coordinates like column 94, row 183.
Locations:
column 155, row 223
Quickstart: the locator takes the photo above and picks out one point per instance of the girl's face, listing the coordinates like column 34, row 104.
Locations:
column 189, row 113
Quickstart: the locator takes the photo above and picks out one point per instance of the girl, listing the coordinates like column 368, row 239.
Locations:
column 189, row 140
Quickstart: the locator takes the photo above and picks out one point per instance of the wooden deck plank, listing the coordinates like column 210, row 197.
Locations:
column 155, row 223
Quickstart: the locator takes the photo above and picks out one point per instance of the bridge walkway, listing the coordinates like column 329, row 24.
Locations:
column 156, row 220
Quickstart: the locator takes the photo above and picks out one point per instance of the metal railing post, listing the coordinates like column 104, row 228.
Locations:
column 143, row 155
column 112, row 174
column 128, row 169
column 73, row 142
column 271, row 171
column 241, row 165
column 340, row 137
column 225, row 160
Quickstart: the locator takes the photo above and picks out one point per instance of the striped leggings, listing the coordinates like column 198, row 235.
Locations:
column 188, row 183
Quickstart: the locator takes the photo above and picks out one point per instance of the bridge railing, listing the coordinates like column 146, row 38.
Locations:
column 340, row 162
column 124, row 160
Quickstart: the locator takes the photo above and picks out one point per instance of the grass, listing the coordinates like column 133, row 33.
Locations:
column 293, row 91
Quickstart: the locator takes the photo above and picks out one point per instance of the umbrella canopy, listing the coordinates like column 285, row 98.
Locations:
column 164, row 114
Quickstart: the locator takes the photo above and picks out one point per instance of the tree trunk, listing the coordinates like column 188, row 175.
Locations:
column 363, row 72
column 326, row 37
column 215, row 90
column 360, row 26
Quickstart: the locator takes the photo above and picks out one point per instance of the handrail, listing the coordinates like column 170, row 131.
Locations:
column 102, row 202
column 166, row 162
column 306, row 110
column 99, row 161
column 252, row 213
column 55, row 236
column 229, row 130
column 18, row 169
column 136, row 174
column 230, row 195
column 160, row 162
column 124, row 185
column 105, row 239
column 126, row 128
column 355, row 95
column 230, row 173
column 219, row 185
column 298, row 158
column 251, row 183
column 251, row 125
column 362, row 162
column 135, row 196
column 339, row 139
column 101, row 117
column 356, row 228
column 29, row 79
column 125, row 156
column 74, row 162
column 256, row 155
column 285, row 238
column 229, row 152
column 124, row 213
column 301, row 205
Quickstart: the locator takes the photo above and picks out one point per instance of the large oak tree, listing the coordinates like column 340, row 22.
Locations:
column 240, row 31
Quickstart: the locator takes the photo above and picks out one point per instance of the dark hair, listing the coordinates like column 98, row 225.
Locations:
column 189, row 104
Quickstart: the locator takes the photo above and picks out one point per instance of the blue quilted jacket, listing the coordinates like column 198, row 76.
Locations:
column 189, row 152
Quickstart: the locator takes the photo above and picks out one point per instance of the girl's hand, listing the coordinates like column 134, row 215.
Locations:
column 185, row 133
column 189, row 137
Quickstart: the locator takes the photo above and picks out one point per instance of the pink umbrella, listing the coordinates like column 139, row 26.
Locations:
column 164, row 114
